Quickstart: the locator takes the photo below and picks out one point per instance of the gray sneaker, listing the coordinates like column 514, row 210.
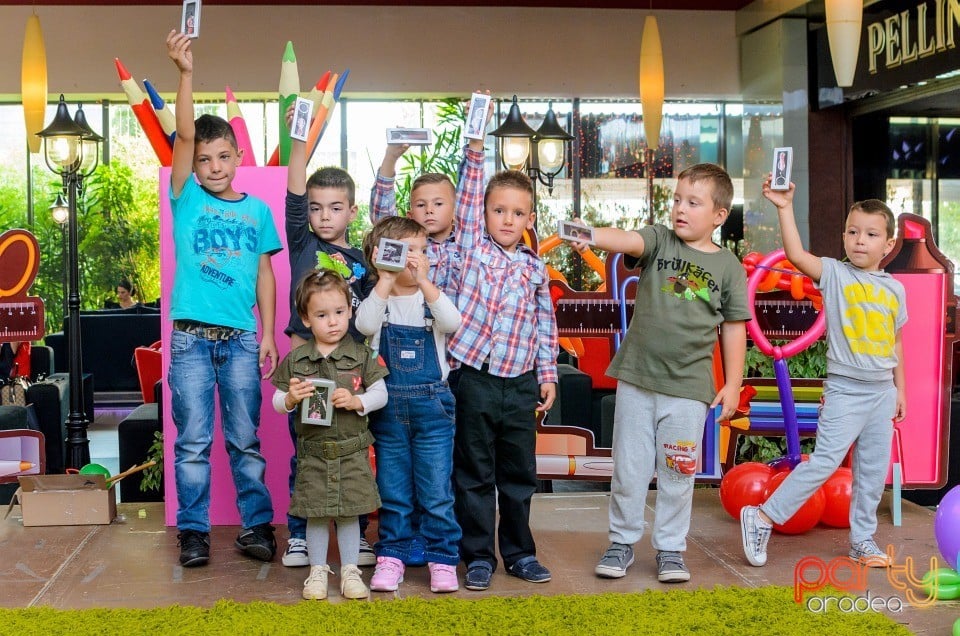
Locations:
column 615, row 561
column 869, row 554
column 670, row 567
column 754, row 535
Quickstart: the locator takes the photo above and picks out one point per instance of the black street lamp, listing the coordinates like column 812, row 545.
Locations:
column 541, row 153
column 71, row 150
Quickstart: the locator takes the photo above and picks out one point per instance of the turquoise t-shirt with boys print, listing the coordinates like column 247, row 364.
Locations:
column 218, row 244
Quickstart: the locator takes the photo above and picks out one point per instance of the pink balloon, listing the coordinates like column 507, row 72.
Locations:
column 753, row 328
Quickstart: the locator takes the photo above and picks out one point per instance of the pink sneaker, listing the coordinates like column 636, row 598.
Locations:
column 443, row 578
column 387, row 575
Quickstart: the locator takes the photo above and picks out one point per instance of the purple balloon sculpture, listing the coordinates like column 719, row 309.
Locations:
column 946, row 526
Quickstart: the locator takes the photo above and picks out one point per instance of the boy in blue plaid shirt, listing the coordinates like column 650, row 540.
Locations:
column 507, row 347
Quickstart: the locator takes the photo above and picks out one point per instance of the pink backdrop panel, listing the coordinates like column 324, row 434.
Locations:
column 269, row 184
column 922, row 430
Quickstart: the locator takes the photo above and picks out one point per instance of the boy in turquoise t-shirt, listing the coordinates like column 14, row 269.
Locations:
column 223, row 241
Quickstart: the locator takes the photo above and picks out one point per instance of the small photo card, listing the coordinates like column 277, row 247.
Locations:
column 570, row 231
column 477, row 116
column 190, row 18
column 782, row 168
column 391, row 255
column 302, row 110
column 317, row 407
column 411, row 136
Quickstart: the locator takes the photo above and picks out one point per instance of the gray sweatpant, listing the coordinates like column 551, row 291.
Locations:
column 653, row 431
column 853, row 411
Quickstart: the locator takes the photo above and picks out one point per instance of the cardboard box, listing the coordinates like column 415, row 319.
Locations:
column 66, row 500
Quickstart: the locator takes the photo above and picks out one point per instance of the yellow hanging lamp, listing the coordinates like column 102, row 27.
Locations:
column 33, row 81
column 651, row 81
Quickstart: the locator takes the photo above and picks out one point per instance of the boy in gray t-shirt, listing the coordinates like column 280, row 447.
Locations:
column 864, row 391
column 688, row 287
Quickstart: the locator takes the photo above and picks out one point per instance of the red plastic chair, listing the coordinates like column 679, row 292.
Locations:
column 149, row 363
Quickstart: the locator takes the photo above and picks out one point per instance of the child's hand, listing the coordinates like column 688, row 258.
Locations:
column 419, row 266
column 580, row 246
column 394, row 152
column 548, row 393
column 729, row 400
column 288, row 116
column 178, row 50
column 901, row 406
column 383, row 274
column 299, row 389
column 780, row 198
column 344, row 399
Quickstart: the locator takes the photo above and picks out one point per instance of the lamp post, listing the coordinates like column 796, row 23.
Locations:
column 61, row 214
column 71, row 150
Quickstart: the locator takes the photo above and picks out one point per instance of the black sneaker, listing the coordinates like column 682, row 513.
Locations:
column 257, row 542
column 194, row 548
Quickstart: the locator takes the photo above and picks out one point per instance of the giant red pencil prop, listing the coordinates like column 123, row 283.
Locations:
column 239, row 125
column 316, row 93
column 140, row 104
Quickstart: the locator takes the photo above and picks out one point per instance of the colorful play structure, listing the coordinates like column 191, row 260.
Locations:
column 786, row 308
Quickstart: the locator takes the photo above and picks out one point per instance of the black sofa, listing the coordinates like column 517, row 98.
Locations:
column 108, row 338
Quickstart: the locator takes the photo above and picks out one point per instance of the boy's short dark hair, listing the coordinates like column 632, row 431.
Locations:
column 509, row 179
column 333, row 177
column 392, row 227
column 717, row 176
column 316, row 281
column 876, row 206
column 210, row 128
column 431, row 178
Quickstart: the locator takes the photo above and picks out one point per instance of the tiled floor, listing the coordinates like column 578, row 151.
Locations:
column 133, row 562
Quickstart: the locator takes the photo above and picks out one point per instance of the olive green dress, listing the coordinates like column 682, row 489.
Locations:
column 334, row 478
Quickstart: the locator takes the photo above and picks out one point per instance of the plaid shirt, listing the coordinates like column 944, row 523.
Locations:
column 508, row 318
column 446, row 255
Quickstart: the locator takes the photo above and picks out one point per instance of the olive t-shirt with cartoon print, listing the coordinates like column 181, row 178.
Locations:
column 683, row 295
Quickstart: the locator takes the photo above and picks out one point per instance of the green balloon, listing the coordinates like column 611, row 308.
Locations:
column 956, row 627
column 95, row 469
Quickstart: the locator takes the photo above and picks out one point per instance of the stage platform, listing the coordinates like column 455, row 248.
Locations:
column 133, row 562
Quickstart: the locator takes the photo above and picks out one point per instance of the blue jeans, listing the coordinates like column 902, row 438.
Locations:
column 196, row 366
column 414, row 448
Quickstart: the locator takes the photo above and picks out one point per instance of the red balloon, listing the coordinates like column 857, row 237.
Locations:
column 837, row 490
column 806, row 517
column 744, row 485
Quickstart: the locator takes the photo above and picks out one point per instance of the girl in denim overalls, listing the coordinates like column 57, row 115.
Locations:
column 407, row 318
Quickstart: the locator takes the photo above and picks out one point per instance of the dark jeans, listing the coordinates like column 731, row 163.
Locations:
column 495, row 455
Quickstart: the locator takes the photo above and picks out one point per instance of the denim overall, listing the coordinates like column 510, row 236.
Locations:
column 414, row 446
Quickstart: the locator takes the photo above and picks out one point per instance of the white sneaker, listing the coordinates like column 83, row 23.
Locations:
column 315, row 587
column 296, row 554
column 367, row 555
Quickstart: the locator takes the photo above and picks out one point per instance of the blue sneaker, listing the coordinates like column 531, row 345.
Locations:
column 478, row 576
column 416, row 553
column 530, row 570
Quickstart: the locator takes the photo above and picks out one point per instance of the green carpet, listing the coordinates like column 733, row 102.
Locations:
column 715, row 612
